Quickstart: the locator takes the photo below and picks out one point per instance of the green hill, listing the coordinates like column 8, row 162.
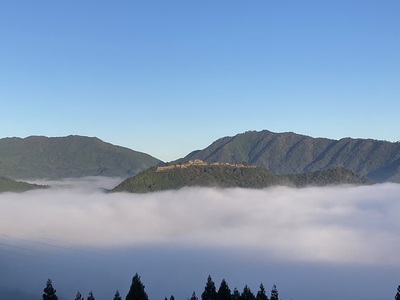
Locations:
column 201, row 174
column 9, row 185
column 71, row 156
column 285, row 153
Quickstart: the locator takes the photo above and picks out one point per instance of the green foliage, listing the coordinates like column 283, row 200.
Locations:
column 72, row 156
column 9, row 185
column 136, row 291
column 204, row 176
column 290, row 153
column 49, row 293
column 282, row 153
column 78, row 296
column 327, row 177
column 230, row 176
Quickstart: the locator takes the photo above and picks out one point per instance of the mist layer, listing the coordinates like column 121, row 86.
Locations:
column 345, row 225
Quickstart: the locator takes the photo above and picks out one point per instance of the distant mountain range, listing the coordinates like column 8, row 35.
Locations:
column 38, row 157
column 285, row 153
column 227, row 175
column 72, row 156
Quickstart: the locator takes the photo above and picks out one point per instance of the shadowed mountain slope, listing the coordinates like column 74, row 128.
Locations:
column 71, row 156
column 286, row 153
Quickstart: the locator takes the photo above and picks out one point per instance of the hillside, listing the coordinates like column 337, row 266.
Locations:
column 202, row 174
column 9, row 185
column 72, row 156
column 285, row 153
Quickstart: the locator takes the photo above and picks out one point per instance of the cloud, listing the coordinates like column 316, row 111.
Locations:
column 75, row 224
column 338, row 224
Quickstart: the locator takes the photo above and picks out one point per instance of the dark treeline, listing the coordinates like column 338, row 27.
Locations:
column 137, row 292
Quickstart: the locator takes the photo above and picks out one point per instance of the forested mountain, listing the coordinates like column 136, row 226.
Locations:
column 201, row 174
column 9, row 185
column 71, row 156
column 285, row 153
column 281, row 153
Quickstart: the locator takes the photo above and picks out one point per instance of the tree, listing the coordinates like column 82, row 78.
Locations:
column 235, row 294
column 137, row 292
column 194, row 297
column 261, row 294
column 210, row 292
column 224, row 292
column 78, row 296
column 172, row 297
column 397, row 297
column 274, row 293
column 247, row 294
column 90, row 297
column 117, row 296
column 49, row 291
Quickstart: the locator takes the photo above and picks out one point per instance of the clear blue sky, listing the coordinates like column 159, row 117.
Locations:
column 169, row 77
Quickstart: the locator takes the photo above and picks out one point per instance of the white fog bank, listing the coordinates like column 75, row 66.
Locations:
column 344, row 226
column 340, row 224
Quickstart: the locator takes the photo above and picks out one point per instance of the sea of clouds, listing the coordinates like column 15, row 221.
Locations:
column 312, row 242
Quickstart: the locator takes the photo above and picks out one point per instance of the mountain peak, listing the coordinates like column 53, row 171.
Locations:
column 70, row 156
column 288, row 152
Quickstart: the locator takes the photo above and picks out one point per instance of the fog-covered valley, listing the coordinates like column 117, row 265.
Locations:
column 313, row 243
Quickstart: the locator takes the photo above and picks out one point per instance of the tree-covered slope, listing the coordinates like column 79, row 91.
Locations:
column 9, row 185
column 71, row 156
column 285, row 153
column 229, row 176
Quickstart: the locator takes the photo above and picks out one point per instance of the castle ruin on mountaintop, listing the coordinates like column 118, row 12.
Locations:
column 199, row 162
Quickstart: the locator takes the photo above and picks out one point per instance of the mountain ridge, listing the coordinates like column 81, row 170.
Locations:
column 288, row 152
column 71, row 156
column 198, row 173
column 41, row 157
